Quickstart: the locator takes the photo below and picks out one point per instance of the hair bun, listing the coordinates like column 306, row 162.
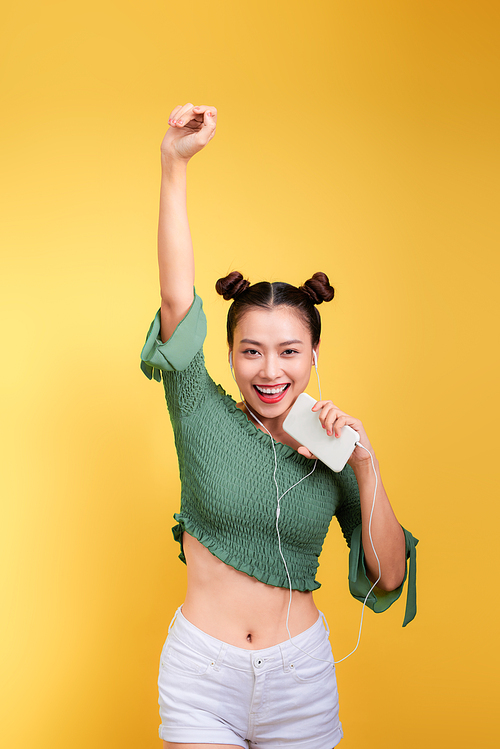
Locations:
column 318, row 288
column 232, row 285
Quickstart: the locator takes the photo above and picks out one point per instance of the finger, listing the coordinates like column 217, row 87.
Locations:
column 327, row 415
column 322, row 404
column 306, row 453
column 209, row 122
column 207, row 131
column 183, row 115
column 209, row 117
column 205, row 108
column 202, row 108
column 189, row 111
column 173, row 114
column 338, row 424
column 332, row 422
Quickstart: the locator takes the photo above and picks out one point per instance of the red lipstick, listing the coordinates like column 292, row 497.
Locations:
column 268, row 397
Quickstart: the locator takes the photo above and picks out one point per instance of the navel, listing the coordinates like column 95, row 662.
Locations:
column 249, row 638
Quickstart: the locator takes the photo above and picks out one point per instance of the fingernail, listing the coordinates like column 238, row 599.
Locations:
column 180, row 122
column 209, row 114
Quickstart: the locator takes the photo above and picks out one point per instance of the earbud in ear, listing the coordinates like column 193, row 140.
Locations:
column 315, row 357
column 231, row 360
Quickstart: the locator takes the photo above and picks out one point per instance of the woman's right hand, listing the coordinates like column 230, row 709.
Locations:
column 191, row 128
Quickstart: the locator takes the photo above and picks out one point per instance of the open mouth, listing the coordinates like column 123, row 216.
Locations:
column 271, row 394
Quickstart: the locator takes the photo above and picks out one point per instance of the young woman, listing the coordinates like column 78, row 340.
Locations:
column 247, row 661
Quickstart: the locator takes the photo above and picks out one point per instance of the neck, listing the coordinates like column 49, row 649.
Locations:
column 259, row 420
column 273, row 426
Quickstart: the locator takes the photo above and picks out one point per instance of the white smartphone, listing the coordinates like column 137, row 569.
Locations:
column 304, row 426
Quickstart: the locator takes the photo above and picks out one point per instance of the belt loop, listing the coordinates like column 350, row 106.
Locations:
column 220, row 657
column 325, row 623
column 173, row 620
column 283, row 649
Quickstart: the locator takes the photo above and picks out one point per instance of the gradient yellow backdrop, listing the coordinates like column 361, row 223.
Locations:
column 358, row 138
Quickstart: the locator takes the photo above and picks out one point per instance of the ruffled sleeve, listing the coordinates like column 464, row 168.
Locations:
column 380, row 600
column 177, row 353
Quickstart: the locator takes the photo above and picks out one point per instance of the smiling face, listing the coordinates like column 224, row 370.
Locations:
column 272, row 359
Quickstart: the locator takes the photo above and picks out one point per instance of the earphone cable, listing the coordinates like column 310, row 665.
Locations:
column 278, row 512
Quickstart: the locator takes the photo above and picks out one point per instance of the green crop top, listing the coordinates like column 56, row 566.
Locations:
column 228, row 496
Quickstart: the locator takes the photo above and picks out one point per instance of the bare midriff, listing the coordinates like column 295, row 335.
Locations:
column 236, row 608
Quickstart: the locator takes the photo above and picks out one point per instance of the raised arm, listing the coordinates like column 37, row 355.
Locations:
column 191, row 128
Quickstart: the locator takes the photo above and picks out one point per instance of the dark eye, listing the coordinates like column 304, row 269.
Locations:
column 290, row 351
column 250, row 351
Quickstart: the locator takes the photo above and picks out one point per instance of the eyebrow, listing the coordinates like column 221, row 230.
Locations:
column 256, row 343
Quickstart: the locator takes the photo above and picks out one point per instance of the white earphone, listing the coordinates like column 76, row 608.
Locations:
column 278, row 510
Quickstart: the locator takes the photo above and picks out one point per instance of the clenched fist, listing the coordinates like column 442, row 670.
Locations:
column 191, row 128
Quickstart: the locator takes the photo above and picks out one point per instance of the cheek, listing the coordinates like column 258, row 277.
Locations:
column 306, row 373
column 244, row 371
column 302, row 369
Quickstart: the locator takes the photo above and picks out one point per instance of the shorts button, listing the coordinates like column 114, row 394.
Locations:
column 258, row 663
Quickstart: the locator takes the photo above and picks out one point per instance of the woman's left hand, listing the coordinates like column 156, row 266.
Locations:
column 332, row 420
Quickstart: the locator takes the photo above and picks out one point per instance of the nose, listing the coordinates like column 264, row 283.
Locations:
column 271, row 368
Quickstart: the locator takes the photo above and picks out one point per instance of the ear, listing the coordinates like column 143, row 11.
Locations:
column 316, row 351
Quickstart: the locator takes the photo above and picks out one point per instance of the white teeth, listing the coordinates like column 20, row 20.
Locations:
column 270, row 391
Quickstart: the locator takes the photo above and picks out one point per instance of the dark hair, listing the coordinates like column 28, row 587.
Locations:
column 268, row 295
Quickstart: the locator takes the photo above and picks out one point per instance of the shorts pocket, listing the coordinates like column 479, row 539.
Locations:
column 178, row 658
column 314, row 667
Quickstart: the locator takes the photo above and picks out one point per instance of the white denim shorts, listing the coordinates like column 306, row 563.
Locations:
column 212, row 692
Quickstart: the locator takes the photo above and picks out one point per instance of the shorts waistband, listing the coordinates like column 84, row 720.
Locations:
column 276, row 656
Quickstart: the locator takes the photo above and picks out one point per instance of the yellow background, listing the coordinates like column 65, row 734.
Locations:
column 357, row 138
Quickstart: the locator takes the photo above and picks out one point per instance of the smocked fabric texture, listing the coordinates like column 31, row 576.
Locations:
column 228, row 496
